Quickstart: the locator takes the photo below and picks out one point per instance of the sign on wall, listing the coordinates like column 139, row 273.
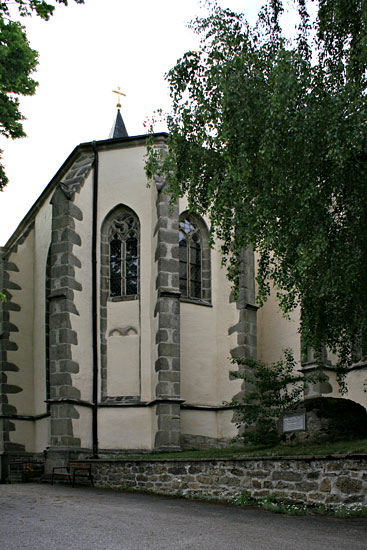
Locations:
column 295, row 422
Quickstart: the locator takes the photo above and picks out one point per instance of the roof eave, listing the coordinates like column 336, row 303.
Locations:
column 102, row 145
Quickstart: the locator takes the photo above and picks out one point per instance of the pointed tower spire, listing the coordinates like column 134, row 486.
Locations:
column 118, row 129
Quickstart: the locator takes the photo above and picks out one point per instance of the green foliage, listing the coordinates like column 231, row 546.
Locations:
column 347, row 447
column 17, row 63
column 27, row 7
column 269, row 391
column 280, row 504
column 2, row 297
column 267, row 136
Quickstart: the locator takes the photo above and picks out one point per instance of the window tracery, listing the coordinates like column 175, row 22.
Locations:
column 124, row 255
column 194, row 255
column 190, row 259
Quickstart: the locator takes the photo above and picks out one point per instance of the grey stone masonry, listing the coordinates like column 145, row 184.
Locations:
column 6, row 344
column 168, row 335
column 331, row 481
column 246, row 327
column 63, row 284
column 311, row 360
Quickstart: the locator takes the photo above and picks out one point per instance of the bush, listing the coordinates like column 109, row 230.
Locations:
column 269, row 390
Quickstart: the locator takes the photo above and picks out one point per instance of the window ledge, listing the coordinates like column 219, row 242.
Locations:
column 195, row 302
column 123, row 298
column 121, row 400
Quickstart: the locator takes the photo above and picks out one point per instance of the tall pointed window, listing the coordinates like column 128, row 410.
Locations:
column 124, row 255
column 194, row 258
column 190, row 259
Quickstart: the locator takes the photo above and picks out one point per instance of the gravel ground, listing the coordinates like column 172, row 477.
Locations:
column 60, row 517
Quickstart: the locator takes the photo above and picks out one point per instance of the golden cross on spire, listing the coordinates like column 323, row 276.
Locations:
column 119, row 93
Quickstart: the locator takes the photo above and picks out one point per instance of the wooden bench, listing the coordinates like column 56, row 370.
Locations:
column 72, row 472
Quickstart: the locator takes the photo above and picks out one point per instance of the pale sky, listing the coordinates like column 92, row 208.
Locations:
column 85, row 51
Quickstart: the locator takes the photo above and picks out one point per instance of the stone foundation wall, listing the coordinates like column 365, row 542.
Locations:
column 327, row 480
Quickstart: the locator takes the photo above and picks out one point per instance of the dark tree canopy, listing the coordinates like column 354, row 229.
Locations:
column 268, row 137
column 17, row 64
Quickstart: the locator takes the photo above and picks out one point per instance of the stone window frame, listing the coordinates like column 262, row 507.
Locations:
column 106, row 238
column 206, row 292
column 105, row 297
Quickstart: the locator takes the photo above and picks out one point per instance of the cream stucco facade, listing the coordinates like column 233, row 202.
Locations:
column 120, row 325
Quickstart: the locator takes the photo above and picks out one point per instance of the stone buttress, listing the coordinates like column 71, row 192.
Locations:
column 246, row 328
column 7, row 411
column 63, row 284
column 168, row 335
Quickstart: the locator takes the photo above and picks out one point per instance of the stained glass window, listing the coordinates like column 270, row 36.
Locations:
column 190, row 246
column 124, row 256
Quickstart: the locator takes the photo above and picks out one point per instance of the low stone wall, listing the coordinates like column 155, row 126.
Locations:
column 330, row 480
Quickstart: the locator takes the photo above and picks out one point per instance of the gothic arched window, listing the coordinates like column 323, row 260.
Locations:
column 194, row 258
column 124, row 255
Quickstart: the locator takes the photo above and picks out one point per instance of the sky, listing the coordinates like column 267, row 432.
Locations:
column 85, row 52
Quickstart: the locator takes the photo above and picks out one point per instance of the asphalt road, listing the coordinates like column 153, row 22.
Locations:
column 44, row 517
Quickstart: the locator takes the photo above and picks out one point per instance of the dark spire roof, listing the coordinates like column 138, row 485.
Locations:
column 118, row 129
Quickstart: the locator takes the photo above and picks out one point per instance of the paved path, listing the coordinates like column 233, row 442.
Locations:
column 44, row 517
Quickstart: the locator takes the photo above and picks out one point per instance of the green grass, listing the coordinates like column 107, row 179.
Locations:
column 355, row 446
column 285, row 506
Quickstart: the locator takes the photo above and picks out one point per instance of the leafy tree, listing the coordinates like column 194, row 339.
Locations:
column 268, row 137
column 273, row 389
column 17, row 63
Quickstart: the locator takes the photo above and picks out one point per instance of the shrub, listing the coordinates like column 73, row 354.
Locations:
column 269, row 390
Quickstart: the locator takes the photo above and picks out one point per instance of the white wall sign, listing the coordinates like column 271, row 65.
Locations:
column 294, row 422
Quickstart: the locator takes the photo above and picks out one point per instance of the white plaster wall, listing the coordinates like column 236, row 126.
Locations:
column 82, row 323
column 42, row 244
column 226, row 426
column 122, row 181
column 357, row 386
column 23, row 356
column 82, row 426
column 125, row 428
column 123, row 348
column 356, row 382
column 41, row 434
column 24, row 434
column 153, row 425
column 198, row 355
column 276, row 332
column 196, row 422
column 215, row 424
column 227, row 315
column 31, row 258
column 205, row 343
column 150, row 320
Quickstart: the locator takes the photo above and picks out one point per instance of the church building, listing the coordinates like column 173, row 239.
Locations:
column 119, row 323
